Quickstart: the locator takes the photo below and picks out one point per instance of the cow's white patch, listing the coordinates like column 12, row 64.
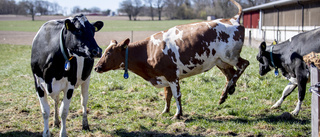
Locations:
column 293, row 80
column 80, row 65
column 207, row 23
column 161, row 82
column 82, row 20
column 287, row 90
column 155, row 41
column 176, row 94
column 121, row 66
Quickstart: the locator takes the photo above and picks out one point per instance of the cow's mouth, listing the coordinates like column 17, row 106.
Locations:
column 98, row 69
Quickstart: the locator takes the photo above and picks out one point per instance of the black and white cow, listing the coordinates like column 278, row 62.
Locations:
column 288, row 57
column 62, row 58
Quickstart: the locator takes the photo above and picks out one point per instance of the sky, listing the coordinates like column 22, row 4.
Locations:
column 67, row 5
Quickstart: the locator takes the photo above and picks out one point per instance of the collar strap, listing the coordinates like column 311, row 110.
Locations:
column 272, row 62
column 271, row 56
column 67, row 63
column 126, row 75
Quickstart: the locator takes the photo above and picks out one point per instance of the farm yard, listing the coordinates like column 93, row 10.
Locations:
column 132, row 107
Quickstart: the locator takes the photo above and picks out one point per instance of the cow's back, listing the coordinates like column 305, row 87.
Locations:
column 307, row 42
column 195, row 48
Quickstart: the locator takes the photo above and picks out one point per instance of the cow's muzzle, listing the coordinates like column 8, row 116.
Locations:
column 96, row 52
column 98, row 69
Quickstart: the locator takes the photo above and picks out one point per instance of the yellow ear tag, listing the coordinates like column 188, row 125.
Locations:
column 263, row 46
column 96, row 29
column 274, row 43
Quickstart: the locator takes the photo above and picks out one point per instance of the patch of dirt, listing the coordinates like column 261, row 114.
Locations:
column 177, row 127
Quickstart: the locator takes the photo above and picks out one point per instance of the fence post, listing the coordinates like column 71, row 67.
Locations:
column 315, row 102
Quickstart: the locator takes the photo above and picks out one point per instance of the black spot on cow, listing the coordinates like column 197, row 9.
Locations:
column 40, row 92
column 69, row 93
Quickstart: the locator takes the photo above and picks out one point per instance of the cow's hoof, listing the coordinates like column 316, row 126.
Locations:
column 85, row 127
column 231, row 89
column 275, row 106
column 176, row 117
column 46, row 133
column 222, row 99
column 56, row 124
column 294, row 113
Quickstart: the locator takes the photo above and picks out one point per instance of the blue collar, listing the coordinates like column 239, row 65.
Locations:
column 272, row 62
column 126, row 75
column 67, row 63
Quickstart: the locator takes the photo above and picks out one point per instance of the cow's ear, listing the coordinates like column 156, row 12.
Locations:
column 125, row 43
column 263, row 46
column 97, row 25
column 69, row 25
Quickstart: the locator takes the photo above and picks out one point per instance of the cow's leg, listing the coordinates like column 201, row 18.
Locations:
column 56, row 110
column 229, row 72
column 84, row 100
column 64, row 110
column 241, row 65
column 175, row 89
column 286, row 92
column 45, row 109
column 302, row 80
column 168, row 96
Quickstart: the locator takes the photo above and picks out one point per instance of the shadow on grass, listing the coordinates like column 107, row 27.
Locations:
column 268, row 118
column 125, row 133
column 21, row 134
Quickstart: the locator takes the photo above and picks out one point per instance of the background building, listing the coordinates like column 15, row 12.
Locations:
column 280, row 20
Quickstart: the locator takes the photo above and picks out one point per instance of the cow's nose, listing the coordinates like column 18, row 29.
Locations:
column 98, row 69
column 96, row 52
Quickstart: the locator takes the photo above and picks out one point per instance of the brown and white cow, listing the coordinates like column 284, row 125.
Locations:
column 166, row 57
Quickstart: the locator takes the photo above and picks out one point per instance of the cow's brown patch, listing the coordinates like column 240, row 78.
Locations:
column 226, row 21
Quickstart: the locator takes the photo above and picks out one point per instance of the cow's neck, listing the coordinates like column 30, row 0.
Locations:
column 278, row 51
column 137, row 58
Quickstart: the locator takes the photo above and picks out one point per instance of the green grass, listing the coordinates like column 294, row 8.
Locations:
column 109, row 25
column 132, row 107
column 25, row 25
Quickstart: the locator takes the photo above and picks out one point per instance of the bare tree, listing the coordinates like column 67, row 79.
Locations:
column 95, row 9
column 160, row 4
column 30, row 7
column 7, row 6
column 126, row 6
column 150, row 2
column 172, row 7
column 76, row 9
column 137, row 5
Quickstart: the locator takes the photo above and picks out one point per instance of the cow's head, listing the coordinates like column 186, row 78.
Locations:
column 264, row 58
column 79, row 36
column 113, row 57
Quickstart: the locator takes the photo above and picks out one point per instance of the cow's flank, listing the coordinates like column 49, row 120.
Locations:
column 168, row 56
column 62, row 58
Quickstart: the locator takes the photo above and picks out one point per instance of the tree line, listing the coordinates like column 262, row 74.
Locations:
column 42, row 7
column 183, row 9
column 156, row 9
column 29, row 7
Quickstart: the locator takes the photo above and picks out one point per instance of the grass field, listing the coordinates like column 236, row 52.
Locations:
column 132, row 107
column 109, row 25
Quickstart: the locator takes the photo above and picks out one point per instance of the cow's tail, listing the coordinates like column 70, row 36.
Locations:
column 238, row 16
